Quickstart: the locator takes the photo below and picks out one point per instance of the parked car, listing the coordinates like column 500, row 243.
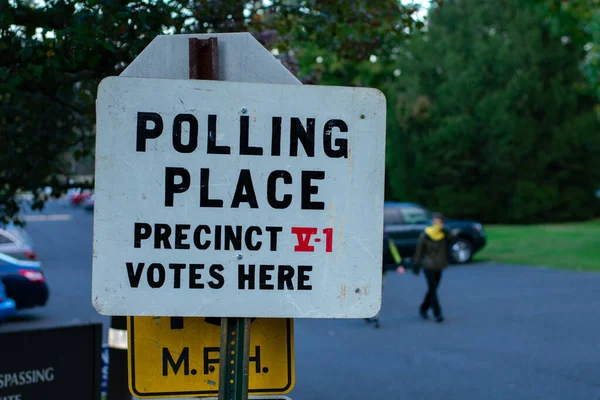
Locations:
column 404, row 222
column 24, row 281
column 79, row 196
column 15, row 242
column 88, row 203
column 8, row 307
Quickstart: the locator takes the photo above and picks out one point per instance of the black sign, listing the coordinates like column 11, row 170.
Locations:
column 59, row 363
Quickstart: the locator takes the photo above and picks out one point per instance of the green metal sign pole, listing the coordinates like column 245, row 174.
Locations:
column 233, row 363
column 235, row 332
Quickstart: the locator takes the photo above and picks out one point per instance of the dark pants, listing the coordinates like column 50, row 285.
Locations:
column 431, row 299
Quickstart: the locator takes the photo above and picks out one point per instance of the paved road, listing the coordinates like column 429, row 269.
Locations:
column 64, row 247
column 511, row 332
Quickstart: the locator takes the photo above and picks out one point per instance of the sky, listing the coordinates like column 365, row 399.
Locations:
column 423, row 3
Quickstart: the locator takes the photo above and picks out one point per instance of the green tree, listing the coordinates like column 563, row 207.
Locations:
column 578, row 21
column 340, row 42
column 53, row 54
column 494, row 119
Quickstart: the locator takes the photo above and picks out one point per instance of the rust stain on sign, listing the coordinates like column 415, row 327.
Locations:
column 342, row 296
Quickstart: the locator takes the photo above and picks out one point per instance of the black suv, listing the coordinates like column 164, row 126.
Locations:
column 404, row 223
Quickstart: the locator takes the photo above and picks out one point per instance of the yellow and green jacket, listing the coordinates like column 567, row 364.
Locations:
column 391, row 255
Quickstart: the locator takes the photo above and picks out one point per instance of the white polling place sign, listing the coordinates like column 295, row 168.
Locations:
column 238, row 199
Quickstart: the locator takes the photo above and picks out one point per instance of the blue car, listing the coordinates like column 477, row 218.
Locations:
column 8, row 307
column 24, row 281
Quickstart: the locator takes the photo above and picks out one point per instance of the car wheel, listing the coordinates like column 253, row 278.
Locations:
column 461, row 251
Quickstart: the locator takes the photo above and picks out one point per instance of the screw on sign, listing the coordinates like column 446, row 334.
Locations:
column 236, row 200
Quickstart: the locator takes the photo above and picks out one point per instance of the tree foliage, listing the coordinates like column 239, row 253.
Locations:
column 494, row 118
column 53, row 54
column 490, row 105
column 577, row 21
column 52, row 57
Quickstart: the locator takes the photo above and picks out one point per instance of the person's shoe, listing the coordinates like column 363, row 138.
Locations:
column 423, row 314
column 377, row 325
column 439, row 319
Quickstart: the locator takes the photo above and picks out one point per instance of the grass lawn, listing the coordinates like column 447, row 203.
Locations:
column 573, row 246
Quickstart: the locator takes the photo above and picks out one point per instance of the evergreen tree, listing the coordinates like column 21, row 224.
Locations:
column 494, row 118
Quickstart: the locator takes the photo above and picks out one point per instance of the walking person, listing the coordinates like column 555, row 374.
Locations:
column 432, row 255
column 391, row 257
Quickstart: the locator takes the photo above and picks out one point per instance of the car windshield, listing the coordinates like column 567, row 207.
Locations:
column 4, row 239
column 415, row 215
column 392, row 215
column 20, row 234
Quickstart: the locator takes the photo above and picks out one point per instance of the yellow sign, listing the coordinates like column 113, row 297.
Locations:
column 179, row 356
